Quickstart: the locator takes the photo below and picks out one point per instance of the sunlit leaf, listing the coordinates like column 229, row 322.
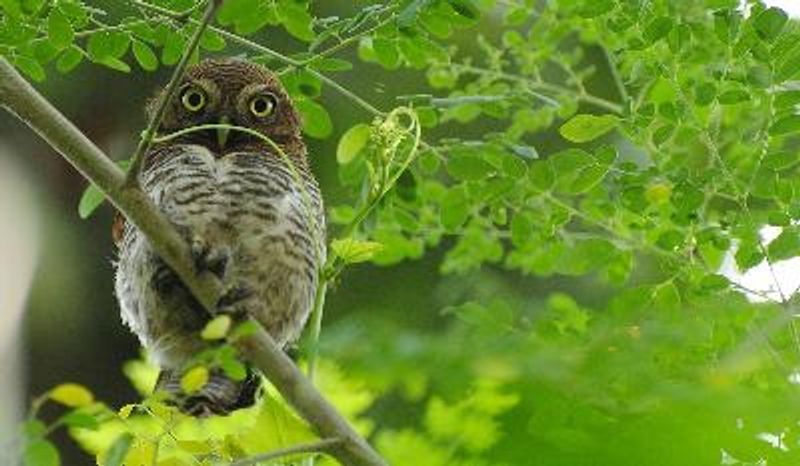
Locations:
column 585, row 128
column 72, row 395
column 41, row 453
column 194, row 379
column 217, row 328
column 352, row 251
column 353, row 141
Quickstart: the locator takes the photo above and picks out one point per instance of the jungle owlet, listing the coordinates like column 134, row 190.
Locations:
column 248, row 216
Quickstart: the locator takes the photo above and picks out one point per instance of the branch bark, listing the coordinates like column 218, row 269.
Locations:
column 21, row 99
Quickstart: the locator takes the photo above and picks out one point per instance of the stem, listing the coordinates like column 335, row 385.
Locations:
column 544, row 86
column 323, row 446
column 166, row 98
column 352, row 39
column 316, row 324
column 612, row 66
column 260, row 349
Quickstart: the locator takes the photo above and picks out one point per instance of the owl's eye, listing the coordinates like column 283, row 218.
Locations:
column 193, row 99
column 262, row 105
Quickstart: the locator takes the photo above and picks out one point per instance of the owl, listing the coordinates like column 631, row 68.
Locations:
column 252, row 215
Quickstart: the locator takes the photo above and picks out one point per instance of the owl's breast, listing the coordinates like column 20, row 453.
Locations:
column 275, row 211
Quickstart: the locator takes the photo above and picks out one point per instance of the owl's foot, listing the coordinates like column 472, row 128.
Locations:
column 164, row 280
column 234, row 301
column 209, row 258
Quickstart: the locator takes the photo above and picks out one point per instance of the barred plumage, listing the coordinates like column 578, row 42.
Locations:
column 250, row 216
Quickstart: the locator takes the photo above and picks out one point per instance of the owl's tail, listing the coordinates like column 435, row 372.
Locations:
column 221, row 395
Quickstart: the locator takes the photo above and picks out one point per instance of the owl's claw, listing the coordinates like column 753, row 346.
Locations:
column 208, row 258
column 164, row 280
column 230, row 302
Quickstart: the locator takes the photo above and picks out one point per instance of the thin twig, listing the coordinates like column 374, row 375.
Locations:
column 323, row 446
column 166, row 97
column 543, row 86
column 612, row 66
column 353, row 38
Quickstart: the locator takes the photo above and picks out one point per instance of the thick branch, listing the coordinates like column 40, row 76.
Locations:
column 21, row 99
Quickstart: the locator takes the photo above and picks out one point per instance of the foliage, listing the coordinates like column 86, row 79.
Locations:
column 619, row 146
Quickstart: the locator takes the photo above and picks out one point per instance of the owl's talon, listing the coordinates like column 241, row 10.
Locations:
column 210, row 259
column 164, row 279
column 228, row 302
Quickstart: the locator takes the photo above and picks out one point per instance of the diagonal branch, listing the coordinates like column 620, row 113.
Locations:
column 21, row 99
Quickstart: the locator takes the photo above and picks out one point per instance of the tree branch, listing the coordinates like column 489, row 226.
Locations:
column 21, row 99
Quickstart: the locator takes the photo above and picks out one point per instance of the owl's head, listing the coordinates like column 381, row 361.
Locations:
column 235, row 92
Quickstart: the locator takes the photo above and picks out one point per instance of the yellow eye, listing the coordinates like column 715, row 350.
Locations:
column 193, row 99
column 262, row 105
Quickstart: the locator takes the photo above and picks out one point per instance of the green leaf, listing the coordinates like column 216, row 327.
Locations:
column 577, row 171
column 30, row 67
column 115, row 64
column 99, row 46
column 72, row 395
column 542, row 175
column 666, row 297
column 734, row 96
column 409, row 15
column 352, row 251
column 231, row 365
column 116, row 453
column 331, row 64
column 786, row 245
column 212, row 41
column 454, row 208
column 353, row 141
column 592, row 8
column 468, row 167
column 145, row 56
column 657, row 29
column 316, row 120
column 81, row 420
column 244, row 329
column 770, row 22
column 465, row 8
column 713, row 283
column 91, row 199
column 173, row 48
column 33, row 428
column 297, row 20
column 59, row 29
column 585, row 128
column 386, row 52
column 194, row 379
column 69, row 59
column 781, row 160
column 217, row 328
column 785, row 125
column 41, row 453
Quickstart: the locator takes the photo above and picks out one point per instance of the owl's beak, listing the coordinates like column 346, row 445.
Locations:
column 222, row 133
